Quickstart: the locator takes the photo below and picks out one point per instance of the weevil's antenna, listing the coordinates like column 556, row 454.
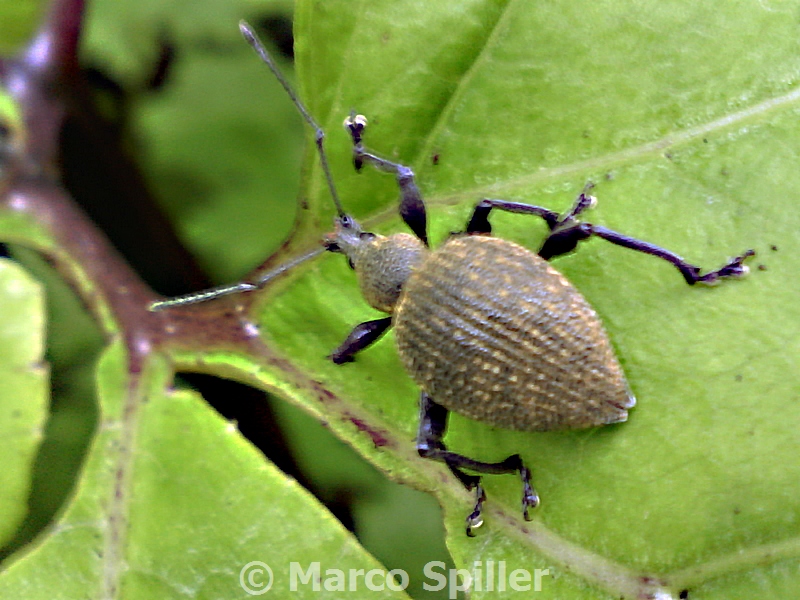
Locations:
column 202, row 296
column 252, row 39
column 234, row 288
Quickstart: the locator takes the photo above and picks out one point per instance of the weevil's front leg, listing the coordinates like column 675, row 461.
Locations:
column 432, row 427
column 412, row 207
column 363, row 335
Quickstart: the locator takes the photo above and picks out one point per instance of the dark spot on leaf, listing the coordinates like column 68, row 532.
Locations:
column 683, row 594
column 378, row 437
column 648, row 580
column 110, row 97
column 164, row 63
column 762, row 267
column 326, row 395
column 774, row 248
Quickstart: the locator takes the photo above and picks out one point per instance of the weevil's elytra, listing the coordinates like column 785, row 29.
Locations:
column 495, row 333
column 484, row 326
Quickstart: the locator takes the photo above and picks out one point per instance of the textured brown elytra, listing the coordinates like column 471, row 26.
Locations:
column 490, row 330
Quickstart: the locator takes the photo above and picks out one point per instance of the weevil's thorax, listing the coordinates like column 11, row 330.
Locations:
column 382, row 263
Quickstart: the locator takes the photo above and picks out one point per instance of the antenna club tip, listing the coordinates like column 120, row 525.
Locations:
column 247, row 31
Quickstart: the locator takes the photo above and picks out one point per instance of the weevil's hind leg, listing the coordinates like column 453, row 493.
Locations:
column 432, row 427
column 363, row 335
column 471, row 482
column 691, row 273
column 565, row 240
column 412, row 207
column 566, row 232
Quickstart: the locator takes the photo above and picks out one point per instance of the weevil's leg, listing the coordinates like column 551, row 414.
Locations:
column 412, row 207
column 479, row 222
column 565, row 240
column 363, row 335
column 691, row 273
column 432, row 427
column 566, row 233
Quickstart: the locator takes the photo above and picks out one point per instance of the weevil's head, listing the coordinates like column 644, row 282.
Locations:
column 382, row 263
column 346, row 238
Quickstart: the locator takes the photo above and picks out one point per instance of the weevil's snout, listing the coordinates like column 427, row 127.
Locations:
column 329, row 242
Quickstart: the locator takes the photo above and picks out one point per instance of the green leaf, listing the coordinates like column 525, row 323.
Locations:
column 23, row 390
column 18, row 21
column 160, row 468
column 683, row 115
column 165, row 475
column 687, row 151
column 222, row 162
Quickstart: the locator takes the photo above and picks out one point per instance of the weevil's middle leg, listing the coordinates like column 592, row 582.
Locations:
column 412, row 207
column 432, row 427
column 479, row 222
column 566, row 232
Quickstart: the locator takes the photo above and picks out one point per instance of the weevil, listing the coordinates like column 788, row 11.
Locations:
column 484, row 326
